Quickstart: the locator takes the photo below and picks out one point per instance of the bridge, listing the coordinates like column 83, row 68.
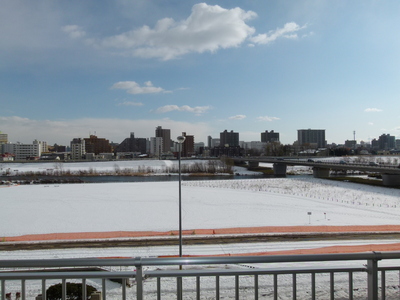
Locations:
column 321, row 168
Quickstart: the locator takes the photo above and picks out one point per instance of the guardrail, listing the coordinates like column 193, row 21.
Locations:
column 156, row 278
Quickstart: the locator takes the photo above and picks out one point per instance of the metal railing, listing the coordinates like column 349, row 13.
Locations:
column 240, row 277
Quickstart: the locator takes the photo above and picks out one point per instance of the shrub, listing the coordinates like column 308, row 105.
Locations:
column 74, row 291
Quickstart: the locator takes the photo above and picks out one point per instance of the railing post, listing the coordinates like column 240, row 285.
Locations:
column 372, row 270
column 139, row 279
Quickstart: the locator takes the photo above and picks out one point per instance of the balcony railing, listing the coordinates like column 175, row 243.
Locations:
column 325, row 276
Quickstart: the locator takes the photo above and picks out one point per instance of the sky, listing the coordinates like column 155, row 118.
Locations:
column 69, row 69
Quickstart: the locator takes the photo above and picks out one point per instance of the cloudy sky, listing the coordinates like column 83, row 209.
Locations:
column 73, row 68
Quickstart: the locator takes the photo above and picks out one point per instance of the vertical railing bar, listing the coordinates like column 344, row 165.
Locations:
column 103, row 289
column 372, row 270
column 217, row 287
column 198, row 287
column 23, row 289
column 332, row 285
column 256, row 287
column 63, row 289
column 237, row 287
column 139, row 283
column 383, row 285
column 123, row 288
column 294, row 283
column 3, row 289
column 350, row 285
column 158, row 288
column 313, row 286
column 275, row 286
column 84, row 292
column 179, row 287
column 44, row 289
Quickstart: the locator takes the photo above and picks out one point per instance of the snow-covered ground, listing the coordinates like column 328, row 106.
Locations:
column 142, row 206
column 30, row 209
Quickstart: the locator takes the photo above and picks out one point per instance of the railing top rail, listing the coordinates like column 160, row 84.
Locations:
column 66, row 274
column 138, row 261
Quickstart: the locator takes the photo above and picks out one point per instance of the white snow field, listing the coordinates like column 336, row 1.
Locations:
column 153, row 206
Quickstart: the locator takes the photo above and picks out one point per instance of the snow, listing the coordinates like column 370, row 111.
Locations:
column 153, row 206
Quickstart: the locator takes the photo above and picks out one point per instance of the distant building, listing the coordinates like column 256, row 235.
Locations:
column 165, row 134
column 313, row 138
column 229, row 139
column 269, row 137
column 3, row 138
column 386, row 142
column 350, row 144
column 156, row 146
column 132, row 144
column 26, row 151
column 77, row 148
column 188, row 145
column 96, row 145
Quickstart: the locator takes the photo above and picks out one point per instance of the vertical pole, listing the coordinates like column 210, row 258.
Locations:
column 372, row 269
column 139, row 282
column 180, row 204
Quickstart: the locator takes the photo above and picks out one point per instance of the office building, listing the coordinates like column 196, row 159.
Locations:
column 312, row 138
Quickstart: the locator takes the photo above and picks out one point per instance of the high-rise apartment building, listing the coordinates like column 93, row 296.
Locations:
column 229, row 139
column 132, row 144
column 188, row 145
column 96, row 145
column 165, row 134
column 269, row 137
column 387, row 142
column 156, row 146
column 77, row 148
column 311, row 137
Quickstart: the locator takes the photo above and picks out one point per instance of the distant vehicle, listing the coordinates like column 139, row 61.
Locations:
column 372, row 163
column 279, row 158
column 310, row 160
column 343, row 162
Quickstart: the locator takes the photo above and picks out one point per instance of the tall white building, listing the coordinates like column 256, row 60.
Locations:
column 25, row 151
column 78, row 148
column 156, row 146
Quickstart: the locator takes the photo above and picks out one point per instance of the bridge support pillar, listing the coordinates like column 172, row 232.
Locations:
column 253, row 164
column 320, row 172
column 391, row 179
column 279, row 169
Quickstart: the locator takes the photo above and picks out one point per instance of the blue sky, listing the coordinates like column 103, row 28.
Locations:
column 73, row 68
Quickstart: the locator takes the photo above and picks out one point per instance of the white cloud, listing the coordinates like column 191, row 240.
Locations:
column 267, row 119
column 208, row 28
column 133, row 87
column 288, row 31
column 370, row 123
column 373, row 110
column 74, row 31
column 237, row 117
column 130, row 103
column 196, row 110
column 62, row 132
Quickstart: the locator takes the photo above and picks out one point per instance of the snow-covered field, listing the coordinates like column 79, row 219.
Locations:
column 35, row 209
column 30, row 209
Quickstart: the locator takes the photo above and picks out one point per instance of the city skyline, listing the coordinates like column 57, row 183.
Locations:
column 71, row 69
